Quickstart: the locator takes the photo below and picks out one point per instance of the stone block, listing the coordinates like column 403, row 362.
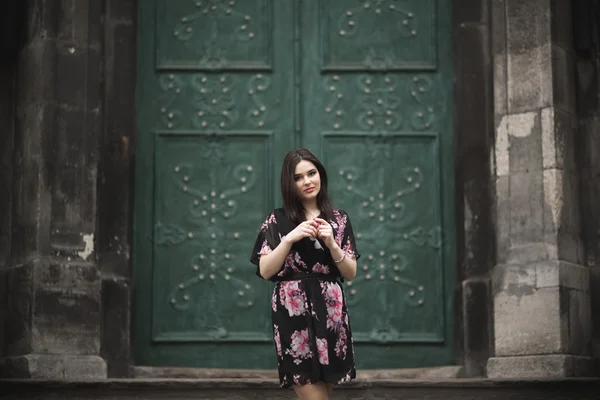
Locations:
column 41, row 366
column 589, row 146
column 86, row 367
column 526, row 208
column 539, row 366
column 120, row 71
column 529, row 84
column 529, row 60
column 590, row 198
column 114, row 171
column 471, row 12
column 35, row 87
column 73, row 209
column 116, row 344
column 528, row 25
column 595, row 310
column 30, row 197
column 95, row 24
column 562, row 274
column 477, row 326
column 64, row 21
column 524, row 132
column 501, row 147
column 3, row 310
column 80, row 16
column 121, row 10
column 42, row 17
column 71, row 75
column 562, row 216
column 32, row 366
column 587, row 87
column 94, row 88
column 561, row 23
column 558, row 132
column 518, row 143
column 563, row 81
column 527, row 320
column 67, row 311
column 499, row 49
column 500, row 85
column 478, row 252
column 7, row 96
column 502, row 219
column 472, row 86
column 578, row 337
column 542, row 308
column 19, row 306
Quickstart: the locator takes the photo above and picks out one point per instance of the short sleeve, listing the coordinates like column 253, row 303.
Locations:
column 345, row 235
column 266, row 241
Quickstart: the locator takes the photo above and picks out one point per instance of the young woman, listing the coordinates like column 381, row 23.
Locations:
column 308, row 248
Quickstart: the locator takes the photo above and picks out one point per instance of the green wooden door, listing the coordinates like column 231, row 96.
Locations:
column 225, row 89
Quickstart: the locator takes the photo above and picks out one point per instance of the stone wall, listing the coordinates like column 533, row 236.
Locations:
column 115, row 184
column 52, row 321
column 542, row 305
column 587, row 48
column 12, row 24
column 7, row 81
column 474, row 130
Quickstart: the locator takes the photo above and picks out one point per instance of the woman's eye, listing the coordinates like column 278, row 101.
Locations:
column 312, row 173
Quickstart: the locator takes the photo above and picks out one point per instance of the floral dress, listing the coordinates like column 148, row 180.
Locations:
column 311, row 328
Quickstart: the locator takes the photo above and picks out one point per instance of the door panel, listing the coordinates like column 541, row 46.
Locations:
column 378, row 75
column 214, row 35
column 215, row 115
column 225, row 89
column 379, row 35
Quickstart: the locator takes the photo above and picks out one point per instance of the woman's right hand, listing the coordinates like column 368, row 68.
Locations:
column 303, row 230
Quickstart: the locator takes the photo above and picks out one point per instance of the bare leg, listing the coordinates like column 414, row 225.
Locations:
column 329, row 388
column 317, row 391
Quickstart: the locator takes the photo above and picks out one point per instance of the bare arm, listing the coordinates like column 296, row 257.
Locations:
column 347, row 266
column 270, row 264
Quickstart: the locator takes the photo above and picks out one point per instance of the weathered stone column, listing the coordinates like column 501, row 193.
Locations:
column 540, row 284
column 53, row 314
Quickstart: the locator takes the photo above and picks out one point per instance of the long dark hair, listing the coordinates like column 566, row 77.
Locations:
column 291, row 201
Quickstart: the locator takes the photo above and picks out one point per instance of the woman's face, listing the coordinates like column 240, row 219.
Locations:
column 308, row 180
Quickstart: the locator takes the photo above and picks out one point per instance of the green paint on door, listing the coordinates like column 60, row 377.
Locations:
column 225, row 89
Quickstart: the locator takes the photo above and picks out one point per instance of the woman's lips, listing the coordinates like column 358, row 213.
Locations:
column 310, row 190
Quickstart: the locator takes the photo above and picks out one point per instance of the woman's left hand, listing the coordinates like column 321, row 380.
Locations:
column 325, row 233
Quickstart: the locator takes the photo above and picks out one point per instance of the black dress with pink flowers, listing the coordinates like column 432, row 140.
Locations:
column 311, row 327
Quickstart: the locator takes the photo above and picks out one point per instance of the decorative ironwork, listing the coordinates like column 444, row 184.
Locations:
column 212, row 202
column 171, row 85
column 210, row 16
column 333, row 108
column 379, row 103
column 257, row 86
column 348, row 25
column 388, row 274
column 424, row 115
column 363, row 35
column 378, row 106
column 215, row 105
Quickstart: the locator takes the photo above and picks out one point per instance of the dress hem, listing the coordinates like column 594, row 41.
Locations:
column 344, row 380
